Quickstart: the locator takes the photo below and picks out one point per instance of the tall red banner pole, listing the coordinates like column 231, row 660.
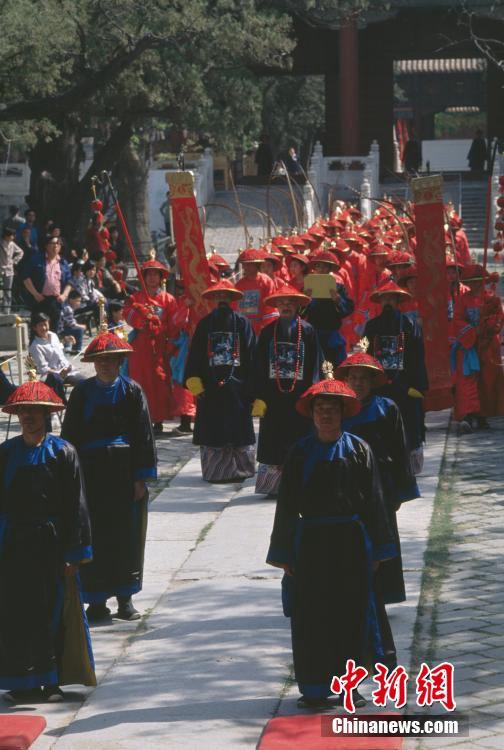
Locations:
column 191, row 256
column 432, row 286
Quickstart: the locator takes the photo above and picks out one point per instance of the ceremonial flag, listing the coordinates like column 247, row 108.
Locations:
column 432, row 286
column 191, row 256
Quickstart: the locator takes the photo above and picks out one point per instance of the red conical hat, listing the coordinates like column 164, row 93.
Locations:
column 297, row 256
column 155, row 265
column 287, row 291
column 33, row 393
column 218, row 261
column 251, row 255
column 361, row 359
column 224, row 285
column 473, row 272
column 323, row 256
column 106, row 343
column 275, row 259
column 336, row 388
column 389, row 288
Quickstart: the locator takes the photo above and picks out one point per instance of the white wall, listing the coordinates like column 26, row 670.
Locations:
column 446, row 155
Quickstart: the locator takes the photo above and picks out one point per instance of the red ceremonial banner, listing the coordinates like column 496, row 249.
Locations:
column 432, row 288
column 191, row 256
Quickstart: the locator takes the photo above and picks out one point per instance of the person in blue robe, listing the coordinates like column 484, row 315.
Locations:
column 330, row 533
column 380, row 424
column 44, row 537
column 326, row 315
column 287, row 362
column 217, row 373
column 397, row 343
column 108, row 421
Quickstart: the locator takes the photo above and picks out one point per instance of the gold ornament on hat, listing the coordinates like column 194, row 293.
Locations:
column 328, row 370
column 362, row 345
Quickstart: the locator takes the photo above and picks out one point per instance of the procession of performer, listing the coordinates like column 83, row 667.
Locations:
column 319, row 338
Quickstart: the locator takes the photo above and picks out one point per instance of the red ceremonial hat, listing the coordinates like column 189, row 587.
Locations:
column 155, row 265
column 389, row 288
column 298, row 256
column 323, row 256
column 277, row 261
column 218, row 261
column 280, row 241
column 340, row 245
column 103, row 344
column 407, row 274
column 224, row 285
column 361, row 359
column 398, row 258
column 334, row 388
column 251, row 255
column 317, row 231
column 378, row 249
column 287, row 291
column 310, row 238
column 473, row 272
column 33, row 393
column 296, row 241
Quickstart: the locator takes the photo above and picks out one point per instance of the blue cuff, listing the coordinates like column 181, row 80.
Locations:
column 276, row 555
column 409, row 493
column 384, row 551
column 150, row 473
column 79, row 554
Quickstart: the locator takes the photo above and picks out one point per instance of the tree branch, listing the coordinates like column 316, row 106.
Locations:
column 72, row 99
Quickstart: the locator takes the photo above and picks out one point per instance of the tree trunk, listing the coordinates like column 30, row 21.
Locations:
column 131, row 176
column 54, row 176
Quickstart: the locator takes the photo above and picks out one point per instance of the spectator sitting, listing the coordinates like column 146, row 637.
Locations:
column 10, row 256
column 47, row 352
column 71, row 327
column 29, row 224
column 47, row 276
column 117, row 244
column 116, row 315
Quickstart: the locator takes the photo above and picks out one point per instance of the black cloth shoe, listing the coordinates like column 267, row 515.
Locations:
column 126, row 610
column 158, row 428
column 483, row 424
column 53, row 694
column 98, row 613
column 33, row 695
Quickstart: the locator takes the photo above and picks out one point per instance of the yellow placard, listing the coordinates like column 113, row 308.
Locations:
column 319, row 285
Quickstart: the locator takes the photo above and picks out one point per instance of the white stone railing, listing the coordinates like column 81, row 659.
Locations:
column 338, row 176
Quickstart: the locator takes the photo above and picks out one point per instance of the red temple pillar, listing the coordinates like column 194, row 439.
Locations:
column 349, row 88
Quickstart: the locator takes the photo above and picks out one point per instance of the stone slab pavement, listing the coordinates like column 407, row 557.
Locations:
column 210, row 662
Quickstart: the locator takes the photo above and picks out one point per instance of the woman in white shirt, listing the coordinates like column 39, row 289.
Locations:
column 46, row 351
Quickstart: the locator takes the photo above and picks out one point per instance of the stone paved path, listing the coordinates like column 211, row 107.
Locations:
column 461, row 614
column 223, row 228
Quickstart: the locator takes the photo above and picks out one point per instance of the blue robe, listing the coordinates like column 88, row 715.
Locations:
column 326, row 317
column 223, row 411
column 282, row 425
column 111, row 428
column 330, row 525
column 397, row 342
column 44, row 523
column 380, row 424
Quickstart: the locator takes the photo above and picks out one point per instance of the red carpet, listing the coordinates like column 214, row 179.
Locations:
column 18, row 732
column 304, row 733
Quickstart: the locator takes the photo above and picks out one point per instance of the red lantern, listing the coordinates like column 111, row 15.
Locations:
column 498, row 246
column 96, row 205
column 500, row 201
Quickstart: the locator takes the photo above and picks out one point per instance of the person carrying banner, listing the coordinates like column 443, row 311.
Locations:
column 287, row 361
column 44, row 538
column 218, row 370
column 108, row 421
